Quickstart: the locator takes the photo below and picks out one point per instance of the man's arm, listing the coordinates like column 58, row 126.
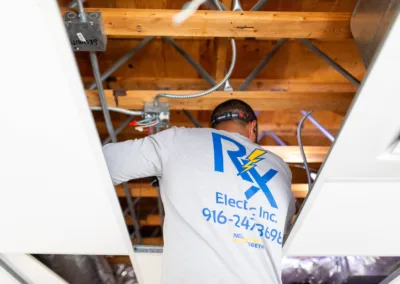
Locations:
column 139, row 158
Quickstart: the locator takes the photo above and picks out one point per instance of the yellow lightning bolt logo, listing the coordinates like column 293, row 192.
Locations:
column 253, row 159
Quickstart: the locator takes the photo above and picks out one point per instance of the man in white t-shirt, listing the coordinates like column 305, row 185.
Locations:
column 227, row 200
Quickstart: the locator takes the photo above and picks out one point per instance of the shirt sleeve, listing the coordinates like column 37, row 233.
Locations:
column 139, row 158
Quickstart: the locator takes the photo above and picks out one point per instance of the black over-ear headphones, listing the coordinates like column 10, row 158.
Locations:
column 229, row 116
column 235, row 115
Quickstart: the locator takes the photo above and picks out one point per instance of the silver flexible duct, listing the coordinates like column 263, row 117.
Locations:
column 216, row 87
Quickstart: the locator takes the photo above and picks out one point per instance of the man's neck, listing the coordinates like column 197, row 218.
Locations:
column 233, row 127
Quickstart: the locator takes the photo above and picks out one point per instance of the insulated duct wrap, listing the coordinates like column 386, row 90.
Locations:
column 336, row 270
column 124, row 274
column 80, row 269
column 77, row 269
column 311, row 270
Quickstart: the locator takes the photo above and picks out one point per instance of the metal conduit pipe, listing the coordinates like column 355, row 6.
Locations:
column 96, row 71
column 122, row 60
column 259, row 5
column 214, row 6
column 120, row 110
column 103, row 101
column 330, row 61
column 189, row 59
column 217, row 86
column 273, row 136
column 303, row 154
column 110, row 128
column 119, row 129
column 319, row 126
column 261, row 65
column 192, row 119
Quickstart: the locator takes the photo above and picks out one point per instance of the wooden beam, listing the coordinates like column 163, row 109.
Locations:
column 259, row 100
column 146, row 190
column 138, row 189
column 300, row 190
column 280, row 129
column 124, row 23
column 151, row 220
column 291, row 154
column 120, row 259
column 152, row 241
column 200, row 84
column 221, row 50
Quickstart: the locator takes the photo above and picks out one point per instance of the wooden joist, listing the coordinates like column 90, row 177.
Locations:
column 151, row 220
column 259, row 100
column 151, row 241
column 291, row 154
column 146, row 190
column 280, row 129
column 120, row 259
column 257, row 84
column 125, row 23
column 138, row 189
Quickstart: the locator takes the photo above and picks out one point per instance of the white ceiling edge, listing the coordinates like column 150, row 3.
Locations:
column 362, row 155
column 29, row 269
column 150, row 264
column 56, row 195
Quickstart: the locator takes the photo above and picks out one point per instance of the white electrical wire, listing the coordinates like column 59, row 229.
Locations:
column 151, row 123
column 143, row 126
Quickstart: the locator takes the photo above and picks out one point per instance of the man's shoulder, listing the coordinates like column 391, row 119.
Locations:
column 186, row 131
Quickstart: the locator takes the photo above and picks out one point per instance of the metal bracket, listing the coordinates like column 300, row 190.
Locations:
column 228, row 86
column 159, row 110
column 237, row 6
column 88, row 36
column 118, row 93
column 148, row 249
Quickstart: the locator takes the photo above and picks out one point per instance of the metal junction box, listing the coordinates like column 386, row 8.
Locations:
column 89, row 36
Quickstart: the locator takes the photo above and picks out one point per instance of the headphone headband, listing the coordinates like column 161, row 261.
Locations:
column 229, row 116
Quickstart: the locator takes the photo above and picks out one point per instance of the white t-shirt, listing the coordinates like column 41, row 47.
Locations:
column 227, row 202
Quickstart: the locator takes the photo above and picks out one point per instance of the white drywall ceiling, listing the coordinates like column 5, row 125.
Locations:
column 353, row 206
column 29, row 269
column 56, row 195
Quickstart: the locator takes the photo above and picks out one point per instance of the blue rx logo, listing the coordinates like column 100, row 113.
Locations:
column 246, row 166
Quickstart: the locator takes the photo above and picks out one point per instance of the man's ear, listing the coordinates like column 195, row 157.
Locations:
column 252, row 130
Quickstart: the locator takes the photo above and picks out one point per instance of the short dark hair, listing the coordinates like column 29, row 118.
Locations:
column 233, row 106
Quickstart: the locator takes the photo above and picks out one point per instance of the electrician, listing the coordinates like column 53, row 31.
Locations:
column 227, row 200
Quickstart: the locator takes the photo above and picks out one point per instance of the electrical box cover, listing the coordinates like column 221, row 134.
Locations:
column 88, row 36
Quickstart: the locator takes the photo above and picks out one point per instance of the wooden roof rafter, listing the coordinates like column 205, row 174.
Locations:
column 128, row 23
